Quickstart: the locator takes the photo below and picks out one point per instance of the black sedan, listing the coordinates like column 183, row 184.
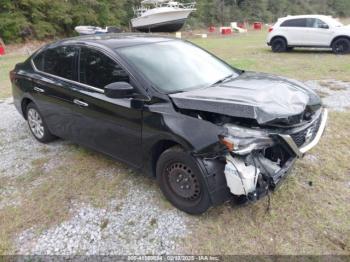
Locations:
column 207, row 131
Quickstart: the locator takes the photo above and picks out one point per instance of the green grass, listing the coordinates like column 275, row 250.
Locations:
column 250, row 52
column 7, row 63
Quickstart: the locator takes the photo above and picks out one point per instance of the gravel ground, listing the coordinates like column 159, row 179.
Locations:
column 18, row 147
column 335, row 94
column 132, row 225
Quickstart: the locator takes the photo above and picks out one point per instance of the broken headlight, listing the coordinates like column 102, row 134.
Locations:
column 243, row 141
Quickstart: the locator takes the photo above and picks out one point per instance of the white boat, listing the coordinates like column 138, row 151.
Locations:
column 161, row 15
column 94, row 30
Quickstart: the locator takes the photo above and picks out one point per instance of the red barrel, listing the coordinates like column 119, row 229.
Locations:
column 257, row 26
column 226, row 31
column 2, row 49
column 212, row 29
column 241, row 25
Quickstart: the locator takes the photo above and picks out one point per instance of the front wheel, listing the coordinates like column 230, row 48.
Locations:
column 37, row 125
column 341, row 46
column 182, row 182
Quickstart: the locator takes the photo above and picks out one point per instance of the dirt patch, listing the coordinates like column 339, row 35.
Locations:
column 26, row 48
column 335, row 94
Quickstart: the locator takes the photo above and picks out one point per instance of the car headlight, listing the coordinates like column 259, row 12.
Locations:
column 243, row 141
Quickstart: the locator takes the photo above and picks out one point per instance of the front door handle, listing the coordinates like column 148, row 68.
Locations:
column 39, row 90
column 80, row 103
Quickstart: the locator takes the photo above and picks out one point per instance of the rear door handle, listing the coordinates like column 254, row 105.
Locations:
column 39, row 90
column 80, row 103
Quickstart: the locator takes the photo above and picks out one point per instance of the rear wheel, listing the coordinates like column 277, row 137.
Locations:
column 341, row 46
column 279, row 45
column 182, row 182
column 37, row 125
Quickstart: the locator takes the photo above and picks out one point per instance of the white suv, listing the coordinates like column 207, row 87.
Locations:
column 309, row 31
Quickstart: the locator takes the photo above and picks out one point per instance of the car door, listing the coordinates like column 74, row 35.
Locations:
column 294, row 30
column 111, row 126
column 54, row 80
column 319, row 32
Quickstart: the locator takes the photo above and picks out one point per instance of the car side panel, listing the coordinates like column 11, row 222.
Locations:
column 110, row 126
column 294, row 35
column 319, row 37
column 54, row 100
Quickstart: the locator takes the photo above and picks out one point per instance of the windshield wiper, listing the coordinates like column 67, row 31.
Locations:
column 223, row 80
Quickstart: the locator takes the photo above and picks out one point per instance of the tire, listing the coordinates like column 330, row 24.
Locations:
column 279, row 45
column 182, row 181
column 37, row 125
column 290, row 49
column 341, row 46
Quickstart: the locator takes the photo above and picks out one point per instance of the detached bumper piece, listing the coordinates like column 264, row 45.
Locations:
column 252, row 176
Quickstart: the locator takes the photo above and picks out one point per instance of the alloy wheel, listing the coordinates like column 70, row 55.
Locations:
column 36, row 123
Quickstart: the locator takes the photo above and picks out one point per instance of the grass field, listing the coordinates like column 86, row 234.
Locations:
column 309, row 214
column 250, row 52
column 7, row 63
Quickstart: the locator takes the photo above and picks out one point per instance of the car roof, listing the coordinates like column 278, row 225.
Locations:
column 114, row 40
column 305, row 16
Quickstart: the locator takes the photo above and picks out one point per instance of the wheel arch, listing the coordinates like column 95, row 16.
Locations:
column 158, row 149
column 338, row 37
column 279, row 36
column 24, row 103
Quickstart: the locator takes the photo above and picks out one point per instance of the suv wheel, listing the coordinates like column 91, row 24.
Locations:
column 182, row 181
column 279, row 45
column 37, row 125
column 341, row 46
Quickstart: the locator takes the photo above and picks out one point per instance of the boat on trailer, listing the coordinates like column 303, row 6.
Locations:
column 95, row 30
column 161, row 15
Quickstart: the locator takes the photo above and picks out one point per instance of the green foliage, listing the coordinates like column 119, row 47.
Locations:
column 39, row 19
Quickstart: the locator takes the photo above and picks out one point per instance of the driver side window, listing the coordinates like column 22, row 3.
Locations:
column 98, row 70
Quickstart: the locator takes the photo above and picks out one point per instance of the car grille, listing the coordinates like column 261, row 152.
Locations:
column 307, row 135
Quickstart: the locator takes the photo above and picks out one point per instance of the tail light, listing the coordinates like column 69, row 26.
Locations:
column 270, row 29
column 12, row 76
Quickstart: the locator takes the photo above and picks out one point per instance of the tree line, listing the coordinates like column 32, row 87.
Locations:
column 40, row 19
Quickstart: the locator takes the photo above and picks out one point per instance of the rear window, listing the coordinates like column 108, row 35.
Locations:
column 316, row 23
column 58, row 61
column 300, row 22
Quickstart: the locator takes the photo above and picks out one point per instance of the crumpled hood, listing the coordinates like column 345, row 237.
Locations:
column 252, row 95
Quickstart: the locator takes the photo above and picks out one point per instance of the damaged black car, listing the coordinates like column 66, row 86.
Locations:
column 207, row 131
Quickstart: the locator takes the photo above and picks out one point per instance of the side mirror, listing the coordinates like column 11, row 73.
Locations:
column 324, row 26
column 119, row 90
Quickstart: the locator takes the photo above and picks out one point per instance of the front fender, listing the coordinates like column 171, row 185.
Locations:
column 194, row 135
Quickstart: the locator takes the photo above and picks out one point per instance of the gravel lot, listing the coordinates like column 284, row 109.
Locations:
column 134, row 224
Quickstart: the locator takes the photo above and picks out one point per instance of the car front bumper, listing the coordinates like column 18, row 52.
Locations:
column 299, row 152
column 254, row 175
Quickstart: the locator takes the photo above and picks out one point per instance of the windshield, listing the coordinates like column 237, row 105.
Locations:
column 177, row 66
